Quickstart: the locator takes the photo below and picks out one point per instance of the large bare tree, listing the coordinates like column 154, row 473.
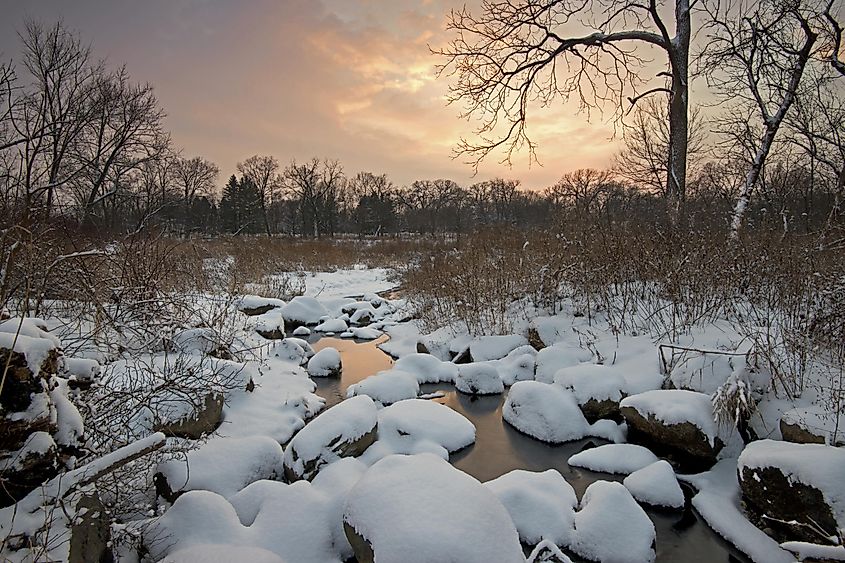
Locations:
column 263, row 171
column 518, row 52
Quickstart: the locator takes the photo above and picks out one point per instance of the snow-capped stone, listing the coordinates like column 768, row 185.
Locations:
column 301, row 331
column 478, row 379
column 223, row 465
column 331, row 325
column 656, row 485
column 325, row 363
column 254, row 305
column 406, row 423
column 783, row 482
column 611, row 526
column 811, row 425
column 614, row 458
column 345, row 430
column 674, row 423
column 386, row 387
column 597, row 388
column 303, row 310
column 417, row 508
column 495, row 347
column 545, row 411
column 270, row 326
column 562, row 355
column 541, row 505
column 427, row 369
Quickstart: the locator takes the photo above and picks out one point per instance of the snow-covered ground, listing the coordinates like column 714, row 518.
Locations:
column 282, row 479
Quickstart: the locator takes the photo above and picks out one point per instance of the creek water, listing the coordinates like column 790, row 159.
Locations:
column 681, row 536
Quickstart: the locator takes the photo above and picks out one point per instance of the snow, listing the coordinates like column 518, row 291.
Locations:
column 591, row 381
column 69, row 424
column 614, row 458
column 346, row 422
column 386, row 387
column 332, row 325
column 36, row 444
column 324, row 363
column 550, row 360
column 29, row 327
column 82, row 369
column 362, row 314
column 364, row 333
column 289, row 349
column 246, row 459
column 304, row 310
column 817, row 420
column 427, row 369
column 406, row 423
column 611, row 526
column 804, row 550
column 676, row 406
column 518, row 365
column 656, row 485
column 35, row 349
column 256, row 302
column 270, row 322
column 209, row 553
column 302, row 331
column 718, row 502
column 544, row 411
column 348, row 282
column 541, row 505
column 495, row 347
column 421, row 509
column 816, row 465
column 479, row 379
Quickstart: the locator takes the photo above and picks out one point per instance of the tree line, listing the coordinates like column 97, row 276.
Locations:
column 82, row 143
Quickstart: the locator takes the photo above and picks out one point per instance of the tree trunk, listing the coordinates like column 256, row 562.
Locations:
column 676, row 177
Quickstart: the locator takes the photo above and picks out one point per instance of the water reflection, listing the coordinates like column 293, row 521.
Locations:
column 499, row 448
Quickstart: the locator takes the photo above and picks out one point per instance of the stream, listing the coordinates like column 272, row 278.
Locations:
column 498, row 449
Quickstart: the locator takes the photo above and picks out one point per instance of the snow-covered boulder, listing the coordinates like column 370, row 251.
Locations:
column 784, row 483
column 488, row 348
column 614, row 458
column 811, row 425
column 363, row 316
column 518, row 365
column 611, row 526
column 254, row 305
column 345, row 430
column 29, row 356
column 218, row 552
column 364, row 333
column 200, row 340
column 81, row 372
column 427, row 369
column 406, row 424
column 656, row 485
column 562, row 355
column 331, row 325
column 541, row 505
column 201, row 420
column 674, row 423
column 222, row 465
column 303, row 310
column 419, row 509
column 291, row 349
column 386, row 387
column 325, row 363
column 545, row 411
column 597, row 388
column 270, row 326
column 301, row 331
column 479, row 379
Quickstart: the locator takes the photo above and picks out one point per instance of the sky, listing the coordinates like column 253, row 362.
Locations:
column 351, row 80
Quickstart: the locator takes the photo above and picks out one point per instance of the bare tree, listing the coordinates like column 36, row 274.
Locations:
column 520, row 51
column 195, row 177
column 263, row 171
column 644, row 159
column 755, row 58
column 302, row 182
column 583, row 190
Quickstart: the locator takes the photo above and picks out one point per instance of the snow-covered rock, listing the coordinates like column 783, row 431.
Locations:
column 405, row 424
column 611, row 526
column 783, row 482
column 494, row 347
column 364, row 333
column 479, row 379
column 812, row 425
column 656, row 485
column 303, row 310
column 518, row 365
column 421, row 509
column 270, row 326
column 614, row 458
column 562, row 355
column 223, row 465
column 345, row 430
column 541, row 505
column 289, row 349
column 301, row 331
column 674, row 423
column 199, row 340
column 545, row 411
column 427, row 369
column 254, row 305
column 325, row 363
column 597, row 388
column 386, row 387
column 331, row 325
column 82, row 370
